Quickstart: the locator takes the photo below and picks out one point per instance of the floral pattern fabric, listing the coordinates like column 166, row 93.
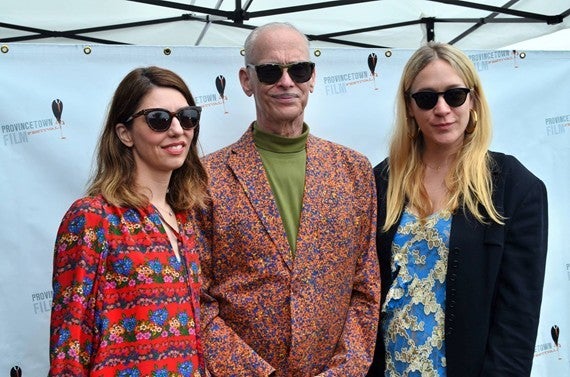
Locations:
column 413, row 315
column 123, row 304
column 266, row 311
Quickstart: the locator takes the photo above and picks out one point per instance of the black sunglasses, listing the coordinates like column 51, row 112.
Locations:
column 427, row 100
column 271, row 73
column 159, row 120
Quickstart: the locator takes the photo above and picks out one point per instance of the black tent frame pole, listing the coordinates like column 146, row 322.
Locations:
column 237, row 17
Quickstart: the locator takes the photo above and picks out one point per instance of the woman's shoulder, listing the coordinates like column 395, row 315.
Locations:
column 93, row 206
column 512, row 178
column 90, row 203
column 509, row 167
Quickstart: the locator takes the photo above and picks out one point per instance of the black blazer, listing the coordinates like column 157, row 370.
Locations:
column 495, row 276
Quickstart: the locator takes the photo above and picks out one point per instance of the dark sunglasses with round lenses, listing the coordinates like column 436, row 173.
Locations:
column 454, row 97
column 271, row 73
column 159, row 120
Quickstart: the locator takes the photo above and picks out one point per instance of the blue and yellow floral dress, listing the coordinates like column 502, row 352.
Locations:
column 413, row 314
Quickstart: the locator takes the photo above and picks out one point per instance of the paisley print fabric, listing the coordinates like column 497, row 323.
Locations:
column 123, row 304
column 413, row 315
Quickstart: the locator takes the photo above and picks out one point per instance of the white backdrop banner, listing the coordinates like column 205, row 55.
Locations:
column 53, row 99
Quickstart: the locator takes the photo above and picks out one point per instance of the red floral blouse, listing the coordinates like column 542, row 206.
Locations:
column 123, row 304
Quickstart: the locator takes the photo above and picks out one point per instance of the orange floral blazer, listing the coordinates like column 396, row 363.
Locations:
column 267, row 313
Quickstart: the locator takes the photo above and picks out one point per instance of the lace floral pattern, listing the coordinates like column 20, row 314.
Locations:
column 414, row 311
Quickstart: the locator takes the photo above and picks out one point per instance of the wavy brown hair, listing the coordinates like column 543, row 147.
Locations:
column 114, row 174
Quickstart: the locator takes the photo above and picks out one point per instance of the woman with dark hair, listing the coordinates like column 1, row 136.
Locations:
column 462, row 232
column 126, row 270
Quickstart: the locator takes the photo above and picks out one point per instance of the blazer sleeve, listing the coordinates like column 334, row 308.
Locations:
column 224, row 350
column 355, row 350
column 518, row 295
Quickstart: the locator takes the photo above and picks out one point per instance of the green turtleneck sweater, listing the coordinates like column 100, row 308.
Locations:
column 284, row 160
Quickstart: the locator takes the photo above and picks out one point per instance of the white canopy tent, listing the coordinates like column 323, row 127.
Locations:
column 488, row 24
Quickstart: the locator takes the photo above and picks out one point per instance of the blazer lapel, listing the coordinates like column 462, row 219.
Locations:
column 246, row 164
column 311, row 215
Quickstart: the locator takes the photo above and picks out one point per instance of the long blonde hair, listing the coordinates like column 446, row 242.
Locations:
column 469, row 181
column 114, row 175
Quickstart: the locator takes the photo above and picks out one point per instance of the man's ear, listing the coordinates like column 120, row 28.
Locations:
column 245, row 81
column 313, row 80
column 124, row 134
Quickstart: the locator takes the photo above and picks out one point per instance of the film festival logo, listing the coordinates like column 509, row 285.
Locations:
column 19, row 133
column 57, row 109
column 555, row 334
column 483, row 61
column 221, row 87
column 42, row 304
column 213, row 99
column 557, row 125
column 547, row 348
column 16, row 371
column 340, row 83
column 372, row 61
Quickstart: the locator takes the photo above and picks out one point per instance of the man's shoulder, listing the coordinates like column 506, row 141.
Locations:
column 243, row 144
column 221, row 153
column 329, row 146
column 339, row 160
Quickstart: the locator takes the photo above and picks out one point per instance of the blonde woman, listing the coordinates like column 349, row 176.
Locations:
column 462, row 233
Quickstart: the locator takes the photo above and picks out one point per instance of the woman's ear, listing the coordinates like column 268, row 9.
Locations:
column 124, row 134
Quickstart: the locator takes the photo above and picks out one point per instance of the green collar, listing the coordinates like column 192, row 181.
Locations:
column 280, row 144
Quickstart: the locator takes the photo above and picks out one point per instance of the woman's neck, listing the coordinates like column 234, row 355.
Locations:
column 438, row 160
column 156, row 188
